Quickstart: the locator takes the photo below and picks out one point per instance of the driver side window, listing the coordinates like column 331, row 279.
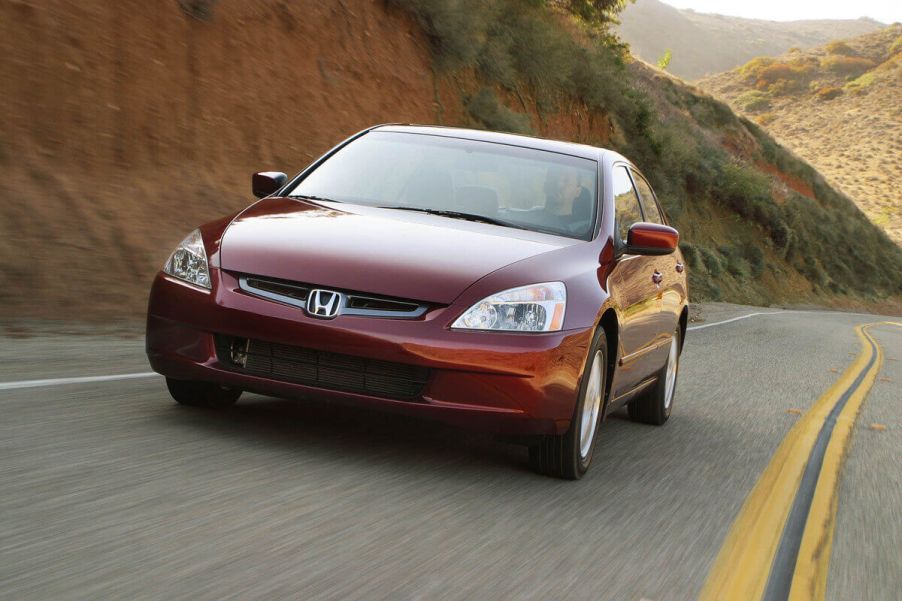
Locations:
column 626, row 203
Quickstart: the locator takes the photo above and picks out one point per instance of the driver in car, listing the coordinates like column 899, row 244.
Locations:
column 562, row 192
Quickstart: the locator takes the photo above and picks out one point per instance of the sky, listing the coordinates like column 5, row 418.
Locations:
column 887, row 11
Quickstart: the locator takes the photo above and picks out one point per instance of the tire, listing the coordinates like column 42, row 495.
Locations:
column 654, row 405
column 202, row 394
column 569, row 455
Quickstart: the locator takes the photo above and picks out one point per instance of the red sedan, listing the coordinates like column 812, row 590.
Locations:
column 523, row 286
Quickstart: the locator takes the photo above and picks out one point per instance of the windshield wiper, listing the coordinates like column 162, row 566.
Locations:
column 312, row 197
column 457, row 215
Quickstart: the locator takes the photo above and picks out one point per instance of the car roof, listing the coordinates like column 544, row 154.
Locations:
column 579, row 150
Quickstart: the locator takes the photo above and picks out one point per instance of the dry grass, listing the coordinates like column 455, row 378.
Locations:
column 856, row 142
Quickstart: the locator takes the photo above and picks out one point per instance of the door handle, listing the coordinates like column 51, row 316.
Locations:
column 657, row 277
column 680, row 267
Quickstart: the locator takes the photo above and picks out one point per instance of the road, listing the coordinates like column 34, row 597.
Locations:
column 109, row 490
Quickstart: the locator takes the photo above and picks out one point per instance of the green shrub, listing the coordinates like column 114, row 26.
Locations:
column 703, row 288
column 596, row 12
column 495, row 62
column 544, row 56
column 457, row 29
column 782, row 235
column 714, row 292
column 711, row 260
column 859, row 84
column 710, row 112
column 702, row 168
column 736, row 264
column 743, row 189
column 487, row 109
column 755, row 257
column 514, row 42
column 754, row 101
column 594, row 78
column 690, row 254
column 813, row 272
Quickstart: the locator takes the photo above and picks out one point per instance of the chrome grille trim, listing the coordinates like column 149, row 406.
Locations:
column 296, row 294
column 267, row 289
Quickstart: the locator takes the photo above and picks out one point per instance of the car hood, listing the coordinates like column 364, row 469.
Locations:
column 367, row 249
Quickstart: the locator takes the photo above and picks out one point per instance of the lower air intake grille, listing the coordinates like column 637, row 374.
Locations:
column 332, row 371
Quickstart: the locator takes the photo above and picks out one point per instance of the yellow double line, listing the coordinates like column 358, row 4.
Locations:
column 779, row 546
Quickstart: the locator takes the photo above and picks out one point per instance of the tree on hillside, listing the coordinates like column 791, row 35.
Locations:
column 596, row 12
column 664, row 61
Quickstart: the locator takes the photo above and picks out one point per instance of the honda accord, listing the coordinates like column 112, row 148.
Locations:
column 517, row 285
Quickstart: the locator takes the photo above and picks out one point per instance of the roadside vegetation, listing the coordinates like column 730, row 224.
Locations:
column 837, row 106
column 746, row 233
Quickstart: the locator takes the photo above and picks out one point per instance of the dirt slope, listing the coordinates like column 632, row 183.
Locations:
column 704, row 44
column 127, row 123
column 838, row 106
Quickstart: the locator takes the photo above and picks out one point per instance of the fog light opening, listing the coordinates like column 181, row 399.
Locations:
column 238, row 351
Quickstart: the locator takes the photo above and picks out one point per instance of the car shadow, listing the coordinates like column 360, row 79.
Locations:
column 313, row 426
column 320, row 431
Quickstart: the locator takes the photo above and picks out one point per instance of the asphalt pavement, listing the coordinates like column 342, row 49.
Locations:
column 109, row 490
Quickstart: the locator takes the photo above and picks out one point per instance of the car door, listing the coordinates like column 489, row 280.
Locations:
column 633, row 289
column 668, row 267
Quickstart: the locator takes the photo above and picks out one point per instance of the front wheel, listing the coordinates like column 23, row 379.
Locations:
column 568, row 455
column 202, row 394
column 654, row 405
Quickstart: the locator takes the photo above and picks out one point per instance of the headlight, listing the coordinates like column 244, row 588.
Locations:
column 533, row 308
column 188, row 261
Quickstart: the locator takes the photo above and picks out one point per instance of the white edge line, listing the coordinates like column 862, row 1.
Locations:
column 150, row 374
column 92, row 379
column 80, row 380
column 718, row 323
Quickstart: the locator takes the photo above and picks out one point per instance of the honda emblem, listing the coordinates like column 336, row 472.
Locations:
column 323, row 303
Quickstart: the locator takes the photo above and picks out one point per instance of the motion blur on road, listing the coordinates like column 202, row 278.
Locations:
column 111, row 490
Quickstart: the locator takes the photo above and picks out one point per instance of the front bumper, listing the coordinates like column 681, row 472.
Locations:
column 500, row 382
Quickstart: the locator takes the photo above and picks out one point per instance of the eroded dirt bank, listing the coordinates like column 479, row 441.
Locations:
column 127, row 123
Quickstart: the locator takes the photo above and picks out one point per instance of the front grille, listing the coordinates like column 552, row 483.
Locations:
column 332, row 371
column 384, row 305
column 287, row 289
column 350, row 303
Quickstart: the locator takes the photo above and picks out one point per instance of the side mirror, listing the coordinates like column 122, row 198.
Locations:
column 651, row 239
column 267, row 182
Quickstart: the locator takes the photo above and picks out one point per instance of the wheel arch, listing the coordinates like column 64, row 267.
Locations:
column 611, row 326
column 684, row 323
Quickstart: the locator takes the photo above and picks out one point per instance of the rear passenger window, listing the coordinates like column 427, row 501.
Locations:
column 626, row 203
column 649, row 206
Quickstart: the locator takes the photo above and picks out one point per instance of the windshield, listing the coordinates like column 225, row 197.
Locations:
column 508, row 185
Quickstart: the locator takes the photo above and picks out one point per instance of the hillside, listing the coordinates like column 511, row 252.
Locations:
column 129, row 123
column 704, row 44
column 840, row 107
